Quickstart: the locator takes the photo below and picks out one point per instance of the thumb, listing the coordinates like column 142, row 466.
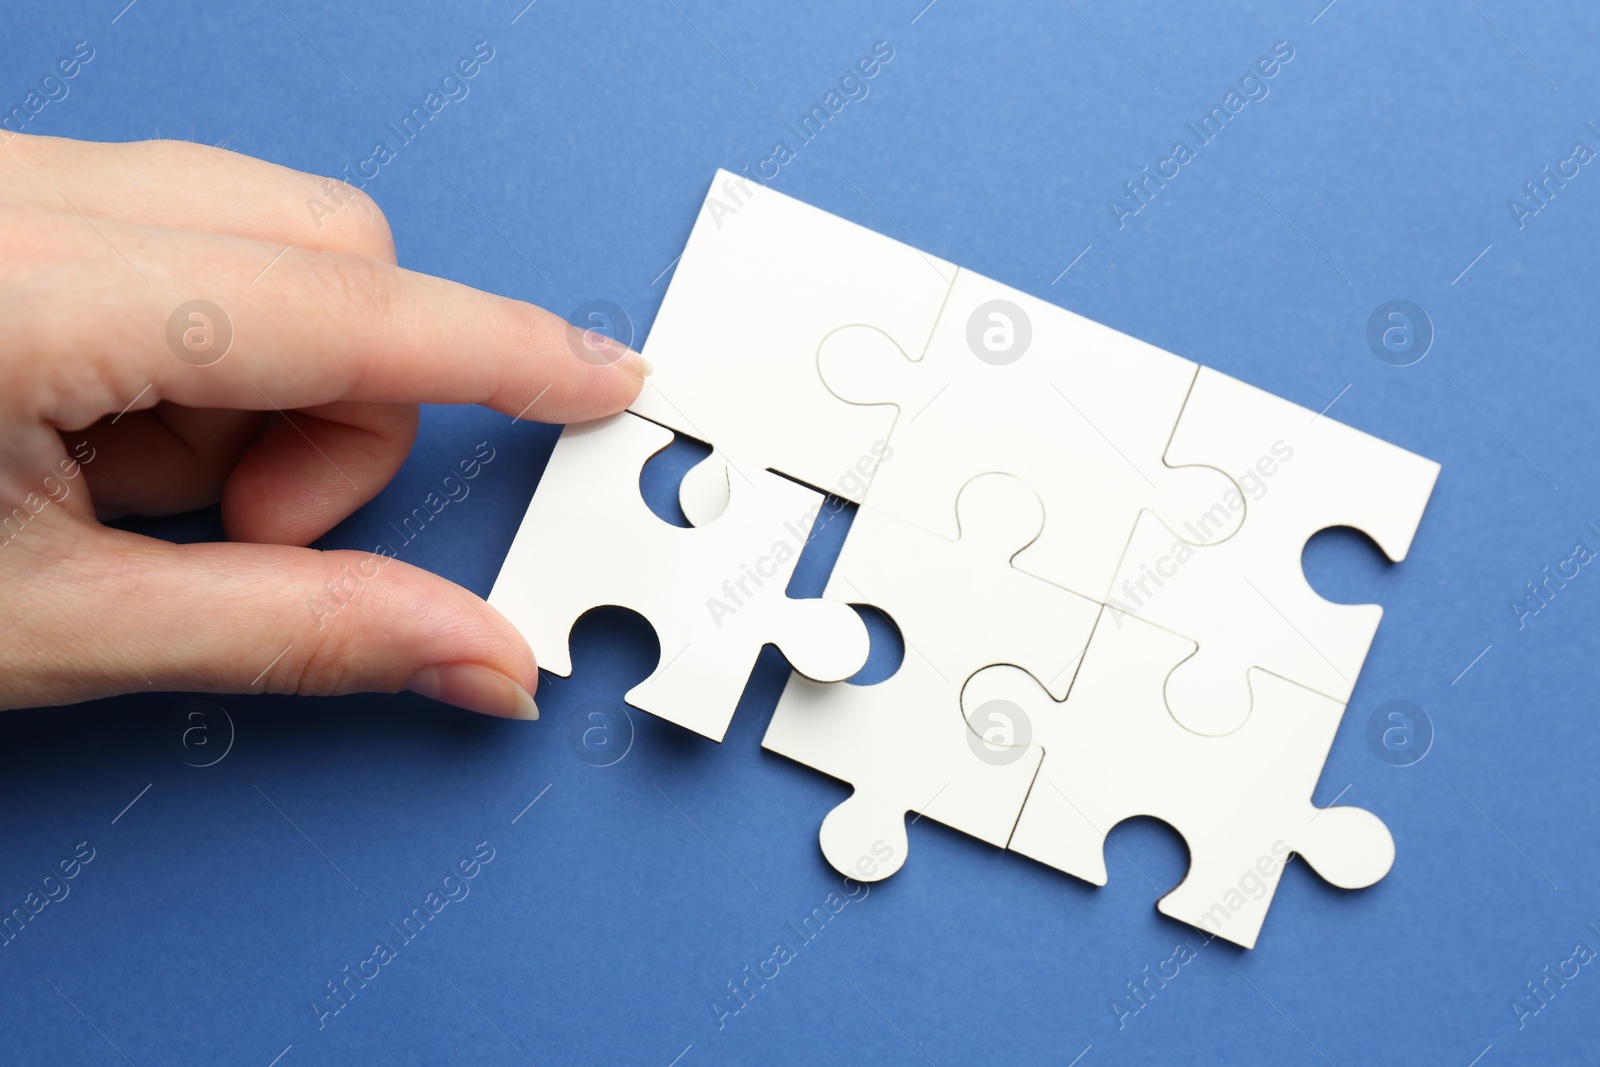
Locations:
column 134, row 613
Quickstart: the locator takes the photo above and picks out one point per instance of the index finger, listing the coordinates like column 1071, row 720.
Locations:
column 208, row 320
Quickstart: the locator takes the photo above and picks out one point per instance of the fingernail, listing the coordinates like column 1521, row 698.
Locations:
column 635, row 364
column 475, row 688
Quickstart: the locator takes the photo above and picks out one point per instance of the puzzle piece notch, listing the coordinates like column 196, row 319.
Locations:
column 762, row 280
column 589, row 540
column 1241, row 802
column 902, row 742
column 1245, row 600
column 1083, row 415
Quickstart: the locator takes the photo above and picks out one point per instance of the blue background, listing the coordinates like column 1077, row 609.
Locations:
column 617, row 907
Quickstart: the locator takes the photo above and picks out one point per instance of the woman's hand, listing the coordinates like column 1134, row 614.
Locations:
column 178, row 328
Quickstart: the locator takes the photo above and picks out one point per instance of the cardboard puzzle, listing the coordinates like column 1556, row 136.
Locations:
column 1091, row 549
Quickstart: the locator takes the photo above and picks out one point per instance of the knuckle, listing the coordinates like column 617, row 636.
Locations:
column 331, row 204
column 355, row 286
column 47, row 261
column 374, row 224
column 328, row 660
column 338, row 207
column 348, row 640
column 327, row 669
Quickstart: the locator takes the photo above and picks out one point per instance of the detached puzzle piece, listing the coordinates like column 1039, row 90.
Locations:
column 959, row 605
column 1245, row 601
column 1079, row 411
column 1242, row 802
column 715, row 595
column 763, row 280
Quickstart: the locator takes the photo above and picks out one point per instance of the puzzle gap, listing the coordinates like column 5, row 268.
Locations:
column 614, row 647
column 767, row 679
column 888, row 647
column 663, row 473
column 1144, row 847
column 1346, row 566
column 822, row 547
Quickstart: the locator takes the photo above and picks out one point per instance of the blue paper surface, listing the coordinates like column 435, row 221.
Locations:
column 1375, row 164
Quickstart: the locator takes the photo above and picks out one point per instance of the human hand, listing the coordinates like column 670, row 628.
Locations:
column 293, row 408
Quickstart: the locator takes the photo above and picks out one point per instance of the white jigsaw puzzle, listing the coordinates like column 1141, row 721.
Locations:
column 959, row 605
column 715, row 595
column 1242, row 802
column 1097, row 537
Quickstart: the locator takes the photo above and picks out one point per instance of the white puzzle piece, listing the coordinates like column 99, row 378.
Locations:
column 1245, row 600
column 1010, row 383
column 762, row 281
column 1242, row 803
column 715, row 595
column 959, row 605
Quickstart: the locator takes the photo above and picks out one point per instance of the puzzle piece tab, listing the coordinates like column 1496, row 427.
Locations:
column 1245, row 600
column 1242, row 802
column 1010, row 383
column 715, row 595
column 902, row 743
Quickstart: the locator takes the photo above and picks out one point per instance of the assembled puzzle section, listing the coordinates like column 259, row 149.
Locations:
column 902, row 743
column 1244, row 599
column 714, row 595
column 1242, row 803
column 1010, row 383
